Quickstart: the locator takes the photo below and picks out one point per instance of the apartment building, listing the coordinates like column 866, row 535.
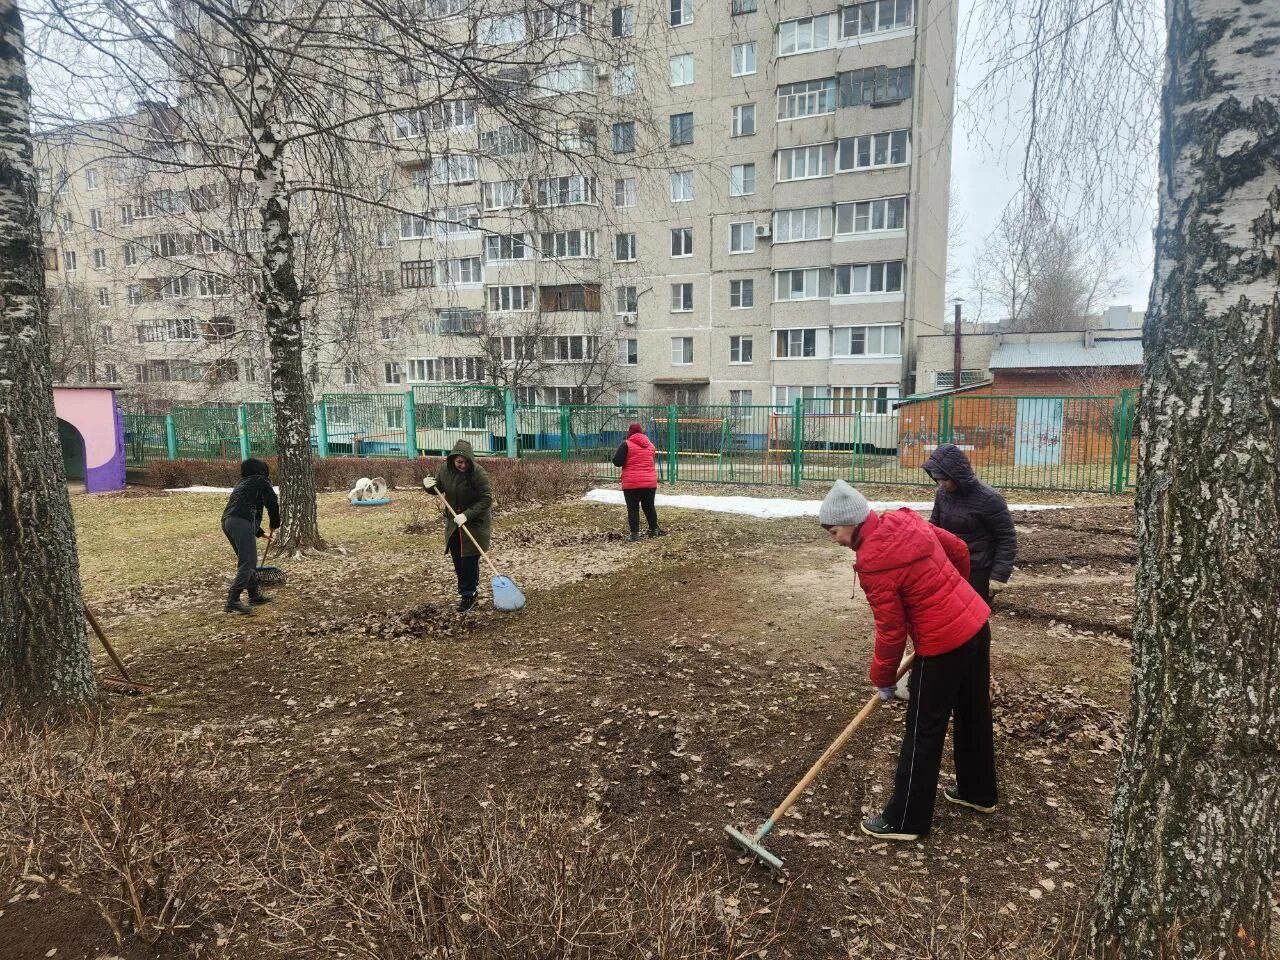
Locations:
column 756, row 213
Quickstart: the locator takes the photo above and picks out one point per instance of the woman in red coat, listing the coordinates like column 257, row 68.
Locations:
column 915, row 577
column 637, row 457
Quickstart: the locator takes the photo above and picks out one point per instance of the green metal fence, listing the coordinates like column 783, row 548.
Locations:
column 1023, row 442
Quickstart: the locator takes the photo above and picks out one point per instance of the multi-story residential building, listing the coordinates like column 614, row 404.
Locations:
column 771, row 225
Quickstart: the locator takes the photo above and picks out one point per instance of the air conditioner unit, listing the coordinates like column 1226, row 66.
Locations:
column 602, row 71
column 763, row 231
column 628, row 319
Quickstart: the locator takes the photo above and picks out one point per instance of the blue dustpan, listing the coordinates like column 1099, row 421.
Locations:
column 506, row 595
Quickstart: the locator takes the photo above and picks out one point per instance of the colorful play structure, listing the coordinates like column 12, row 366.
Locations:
column 91, row 431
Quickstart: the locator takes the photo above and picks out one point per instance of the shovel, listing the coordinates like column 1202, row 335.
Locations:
column 506, row 595
column 754, row 843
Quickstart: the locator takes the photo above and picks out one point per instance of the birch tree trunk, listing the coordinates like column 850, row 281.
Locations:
column 282, row 309
column 1192, row 853
column 42, row 633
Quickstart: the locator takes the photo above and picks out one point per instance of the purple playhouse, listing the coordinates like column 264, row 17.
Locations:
column 91, row 431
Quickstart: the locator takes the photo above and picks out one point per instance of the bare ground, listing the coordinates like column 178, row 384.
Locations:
column 676, row 685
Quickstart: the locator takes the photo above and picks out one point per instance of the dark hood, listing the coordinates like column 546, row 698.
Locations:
column 253, row 467
column 949, row 461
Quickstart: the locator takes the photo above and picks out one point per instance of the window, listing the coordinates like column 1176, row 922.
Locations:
column 104, row 299
column 126, row 214
column 503, row 247
column 454, row 221
column 629, row 399
column 873, row 150
column 110, row 374
column 738, row 7
column 740, row 350
column 795, row 344
column 743, row 60
column 682, row 70
column 681, row 351
column 862, row 399
column 212, row 285
column 406, row 124
column 92, row 179
column 459, row 272
column 452, row 168
column 877, row 16
column 416, row 274
column 391, row 373
column 569, row 244
column 812, row 283
column 447, row 370
column 742, row 237
column 629, row 352
column 807, row 223
column 69, row 260
column 804, row 163
column 946, row 379
column 682, row 298
column 627, row 300
column 787, row 396
column 95, row 219
column 681, row 12
column 502, row 195
column 451, row 115
column 516, row 349
column 739, row 398
column 874, row 85
column 499, row 31
column 742, row 294
column 623, row 20
column 624, row 247
column 569, row 349
column 133, row 294
column 566, row 191
column 624, row 81
column 414, row 228
column 565, row 396
column 624, row 137
column 858, row 278
column 506, row 141
column 804, row 35
column 395, row 415
column 744, row 120
column 565, row 78
column 579, row 137
column 871, row 216
column 877, row 341
column 681, row 129
column 569, row 298
column 388, row 329
column 459, row 321
column 99, row 258
column 682, row 241
column 742, row 179
column 624, row 192
column 811, row 98
column 682, row 186
column 131, row 255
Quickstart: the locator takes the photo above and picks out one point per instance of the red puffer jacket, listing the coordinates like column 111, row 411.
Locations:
column 640, row 472
column 915, row 577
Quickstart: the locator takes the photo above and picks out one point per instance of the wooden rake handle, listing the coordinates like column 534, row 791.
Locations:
column 871, row 706
column 106, row 644
column 266, row 548
column 470, row 535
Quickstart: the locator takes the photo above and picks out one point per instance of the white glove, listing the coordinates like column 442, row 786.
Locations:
column 461, row 519
column 887, row 693
column 429, row 484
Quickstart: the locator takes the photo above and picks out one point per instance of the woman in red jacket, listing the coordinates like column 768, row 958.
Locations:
column 915, row 577
column 637, row 457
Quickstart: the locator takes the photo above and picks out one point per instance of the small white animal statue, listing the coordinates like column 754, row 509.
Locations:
column 367, row 489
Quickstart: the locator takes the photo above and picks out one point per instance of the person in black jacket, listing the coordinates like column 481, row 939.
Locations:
column 978, row 515
column 242, row 522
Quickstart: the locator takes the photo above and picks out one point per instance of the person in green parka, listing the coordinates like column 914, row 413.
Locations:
column 465, row 487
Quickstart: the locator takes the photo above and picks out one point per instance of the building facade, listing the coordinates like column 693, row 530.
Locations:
column 771, row 226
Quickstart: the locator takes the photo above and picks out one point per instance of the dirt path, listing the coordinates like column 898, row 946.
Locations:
column 677, row 684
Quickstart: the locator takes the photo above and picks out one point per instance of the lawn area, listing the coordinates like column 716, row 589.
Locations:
column 652, row 692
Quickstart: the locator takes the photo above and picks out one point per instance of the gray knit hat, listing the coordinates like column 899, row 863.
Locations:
column 843, row 507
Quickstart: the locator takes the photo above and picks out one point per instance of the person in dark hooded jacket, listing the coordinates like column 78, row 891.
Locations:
column 242, row 524
column 465, row 487
column 965, row 506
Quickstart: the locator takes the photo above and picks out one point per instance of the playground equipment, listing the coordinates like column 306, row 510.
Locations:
column 91, row 431
column 369, row 493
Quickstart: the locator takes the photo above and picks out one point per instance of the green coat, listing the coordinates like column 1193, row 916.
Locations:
column 466, row 492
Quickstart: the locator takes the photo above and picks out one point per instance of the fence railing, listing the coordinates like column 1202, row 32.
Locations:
column 1022, row 442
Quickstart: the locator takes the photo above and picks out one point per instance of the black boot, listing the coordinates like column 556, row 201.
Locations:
column 234, row 605
column 257, row 598
column 655, row 532
column 466, row 603
column 635, row 537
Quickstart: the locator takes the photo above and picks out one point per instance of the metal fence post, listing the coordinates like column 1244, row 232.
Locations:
column 509, row 416
column 322, row 428
column 170, row 437
column 564, row 434
column 797, row 442
column 410, row 424
column 944, row 421
column 673, row 442
column 242, row 419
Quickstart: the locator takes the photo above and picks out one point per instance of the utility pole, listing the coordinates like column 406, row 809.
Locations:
column 957, row 360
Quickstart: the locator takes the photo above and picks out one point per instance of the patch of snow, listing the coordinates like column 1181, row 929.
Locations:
column 766, row 508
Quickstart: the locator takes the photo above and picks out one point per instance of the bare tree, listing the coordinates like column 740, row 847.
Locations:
column 46, row 657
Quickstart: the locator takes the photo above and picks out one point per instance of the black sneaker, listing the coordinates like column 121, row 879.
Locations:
column 952, row 795
column 655, row 532
column 466, row 603
column 635, row 538
column 878, row 828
